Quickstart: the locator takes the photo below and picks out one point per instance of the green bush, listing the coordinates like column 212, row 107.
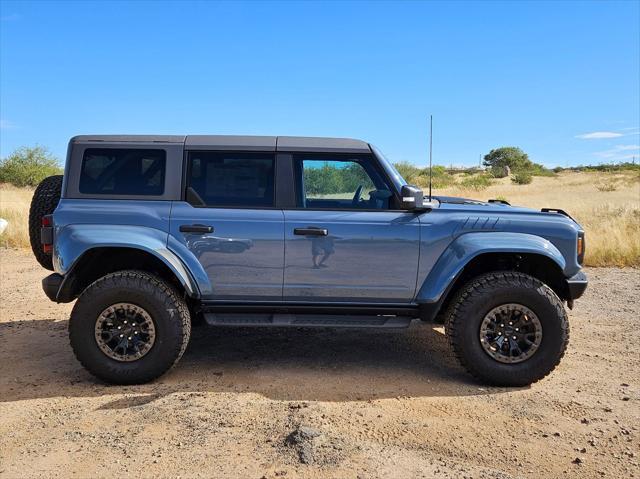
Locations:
column 408, row 171
column 478, row 182
column 441, row 177
column 540, row 170
column 28, row 166
column 497, row 172
column 522, row 178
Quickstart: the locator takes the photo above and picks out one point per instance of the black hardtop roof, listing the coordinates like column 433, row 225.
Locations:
column 238, row 142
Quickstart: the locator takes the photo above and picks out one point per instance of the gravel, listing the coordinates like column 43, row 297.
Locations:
column 318, row 403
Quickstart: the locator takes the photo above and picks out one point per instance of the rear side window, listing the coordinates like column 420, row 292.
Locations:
column 112, row 171
column 231, row 179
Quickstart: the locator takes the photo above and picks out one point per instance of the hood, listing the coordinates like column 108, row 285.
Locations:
column 498, row 206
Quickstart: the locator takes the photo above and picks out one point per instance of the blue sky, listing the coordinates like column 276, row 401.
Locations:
column 560, row 80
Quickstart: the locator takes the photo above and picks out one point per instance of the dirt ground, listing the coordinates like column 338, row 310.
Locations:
column 371, row 403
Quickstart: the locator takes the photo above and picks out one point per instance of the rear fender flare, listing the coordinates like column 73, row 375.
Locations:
column 73, row 241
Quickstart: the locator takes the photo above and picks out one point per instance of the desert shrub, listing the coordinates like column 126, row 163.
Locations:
column 497, row 172
column 408, row 171
column 478, row 182
column 502, row 198
column 607, row 186
column 540, row 170
column 558, row 169
column 441, row 177
column 28, row 166
column 522, row 178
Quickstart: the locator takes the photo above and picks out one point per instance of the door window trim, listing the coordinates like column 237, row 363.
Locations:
column 187, row 174
column 395, row 198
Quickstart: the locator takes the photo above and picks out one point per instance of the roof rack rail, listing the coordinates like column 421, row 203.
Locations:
column 556, row 210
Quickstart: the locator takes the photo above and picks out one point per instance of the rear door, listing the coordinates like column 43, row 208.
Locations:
column 230, row 224
column 344, row 242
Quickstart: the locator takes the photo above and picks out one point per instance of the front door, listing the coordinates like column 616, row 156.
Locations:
column 230, row 224
column 344, row 243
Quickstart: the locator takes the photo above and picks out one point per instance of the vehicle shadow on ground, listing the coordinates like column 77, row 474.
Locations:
column 288, row 364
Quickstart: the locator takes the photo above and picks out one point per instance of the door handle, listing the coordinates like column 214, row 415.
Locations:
column 196, row 229
column 310, row 231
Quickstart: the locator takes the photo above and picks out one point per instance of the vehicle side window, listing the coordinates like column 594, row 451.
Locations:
column 119, row 171
column 340, row 182
column 232, row 179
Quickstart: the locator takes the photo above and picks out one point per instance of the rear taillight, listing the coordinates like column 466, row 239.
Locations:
column 46, row 234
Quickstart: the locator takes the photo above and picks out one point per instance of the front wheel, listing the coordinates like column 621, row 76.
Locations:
column 129, row 327
column 507, row 328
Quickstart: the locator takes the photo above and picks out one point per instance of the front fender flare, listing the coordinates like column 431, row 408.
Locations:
column 73, row 241
column 470, row 245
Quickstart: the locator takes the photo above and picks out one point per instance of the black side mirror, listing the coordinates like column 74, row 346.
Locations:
column 411, row 197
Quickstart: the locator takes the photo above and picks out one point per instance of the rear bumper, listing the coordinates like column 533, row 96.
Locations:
column 576, row 285
column 51, row 285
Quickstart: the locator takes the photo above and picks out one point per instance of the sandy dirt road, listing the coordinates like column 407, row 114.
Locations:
column 377, row 404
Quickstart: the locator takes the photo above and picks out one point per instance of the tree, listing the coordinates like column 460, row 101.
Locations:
column 28, row 166
column 510, row 156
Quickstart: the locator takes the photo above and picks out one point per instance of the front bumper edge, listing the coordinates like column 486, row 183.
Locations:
column 576, row 285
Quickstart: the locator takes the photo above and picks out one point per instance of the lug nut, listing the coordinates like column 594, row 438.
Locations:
column 514, row 337
column 129, row 338
column 122, row 335
column 119, row 327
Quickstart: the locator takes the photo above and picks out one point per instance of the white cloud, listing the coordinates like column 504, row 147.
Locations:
column 619, row 152
column 5, row 124
column 599, row 135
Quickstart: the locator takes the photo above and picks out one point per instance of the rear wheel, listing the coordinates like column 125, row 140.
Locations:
column 44, row 202
column 507, row 328
column 129, row 327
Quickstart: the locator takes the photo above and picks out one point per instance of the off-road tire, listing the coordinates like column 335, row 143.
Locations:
column 44, row 202
column 488, row 291
column 167, row 309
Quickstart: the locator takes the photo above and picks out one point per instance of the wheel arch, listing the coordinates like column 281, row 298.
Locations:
column 469, row 257
column 99, row 261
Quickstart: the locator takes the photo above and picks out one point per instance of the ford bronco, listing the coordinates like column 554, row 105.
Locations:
column 151, row 232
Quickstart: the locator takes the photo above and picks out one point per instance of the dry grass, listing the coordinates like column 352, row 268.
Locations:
column 607, row 205
column 14, row 207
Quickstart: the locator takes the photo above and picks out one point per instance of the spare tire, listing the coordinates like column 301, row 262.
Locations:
column 44, row 202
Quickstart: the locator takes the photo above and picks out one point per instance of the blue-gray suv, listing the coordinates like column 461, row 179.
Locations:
column 151, row 233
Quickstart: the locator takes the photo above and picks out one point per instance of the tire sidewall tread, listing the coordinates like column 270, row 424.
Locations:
column 477, row 298
column 44, row 202
column 168, row 310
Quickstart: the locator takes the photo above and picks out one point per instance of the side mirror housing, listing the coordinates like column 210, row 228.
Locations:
column 412, row 198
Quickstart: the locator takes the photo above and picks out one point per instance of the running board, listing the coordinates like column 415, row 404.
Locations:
column 306, row 320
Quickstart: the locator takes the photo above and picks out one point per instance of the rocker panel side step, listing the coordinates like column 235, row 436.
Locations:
column 306, row 320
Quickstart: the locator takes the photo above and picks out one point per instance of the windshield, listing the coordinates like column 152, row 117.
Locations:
column 396, row 177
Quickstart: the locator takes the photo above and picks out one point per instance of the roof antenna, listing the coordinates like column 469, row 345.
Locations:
column 430, row 154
